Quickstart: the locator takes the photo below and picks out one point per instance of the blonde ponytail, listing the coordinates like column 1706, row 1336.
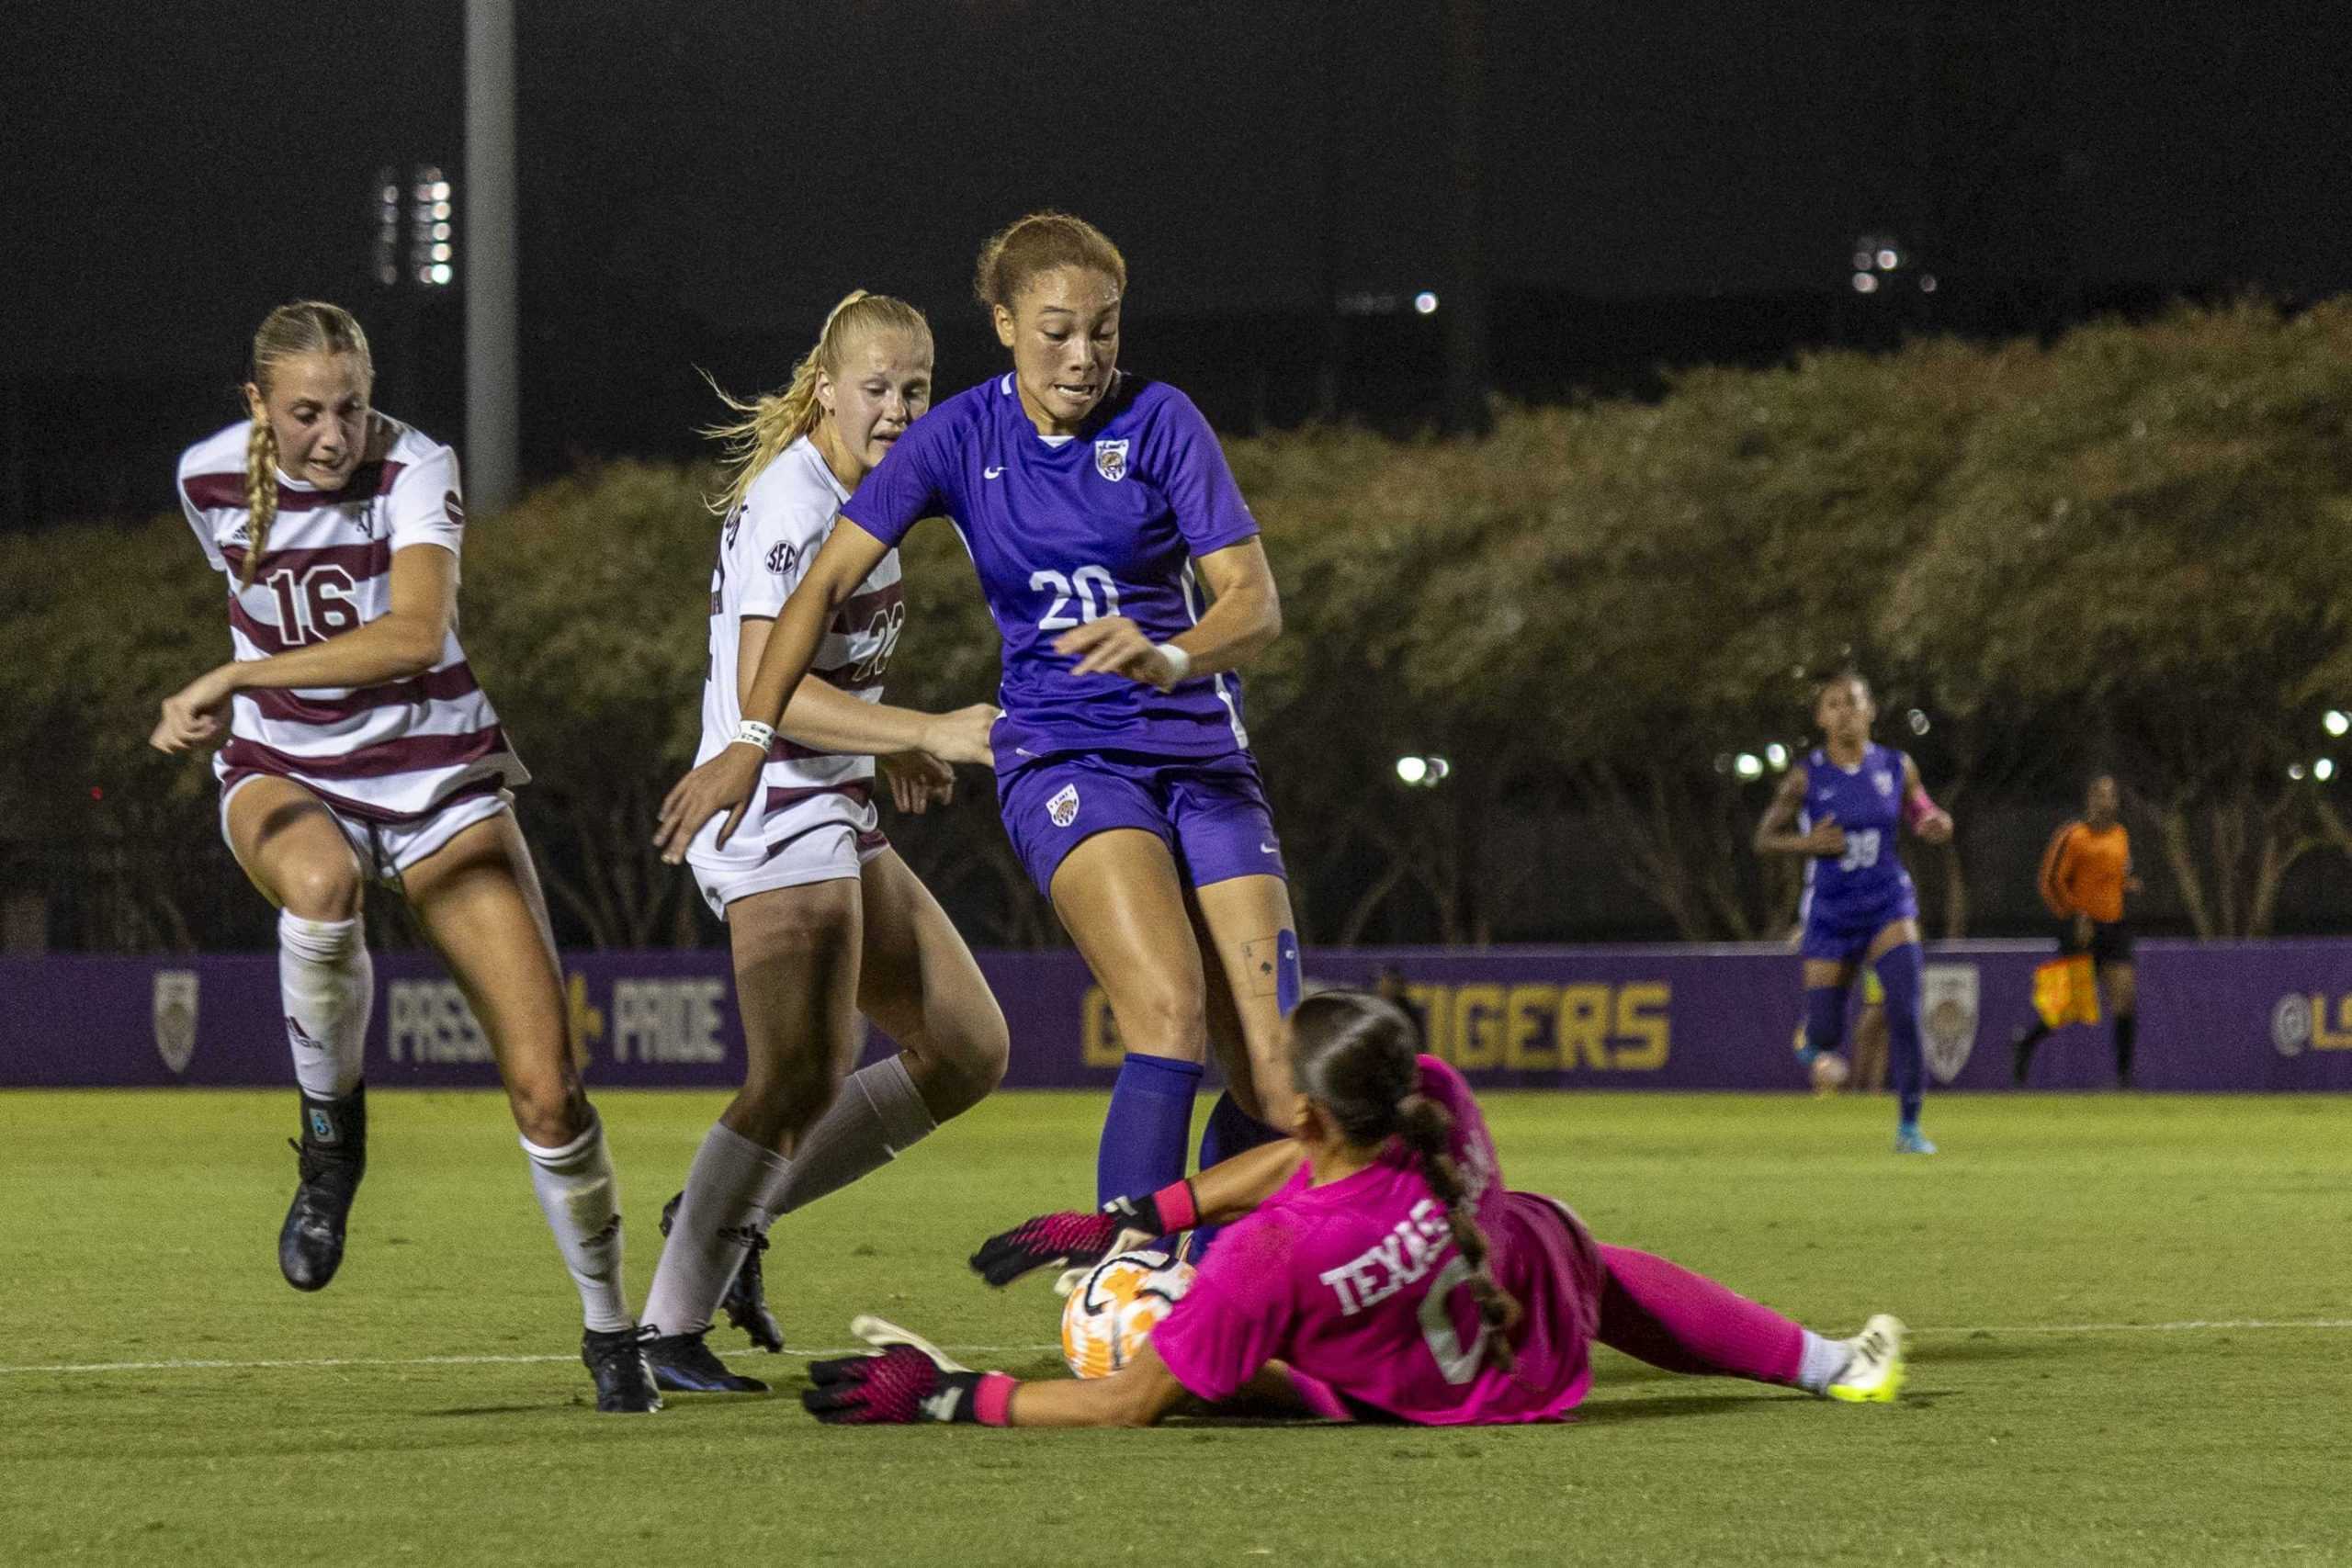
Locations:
column 307, row 326
column 775, row 420
column 261, row 494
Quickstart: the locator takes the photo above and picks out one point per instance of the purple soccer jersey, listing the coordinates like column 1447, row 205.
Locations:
column 1358, row 1286
column 1104, row 524
column 1850, row 898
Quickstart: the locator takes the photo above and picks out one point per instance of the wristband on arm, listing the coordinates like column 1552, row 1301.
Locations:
column 1917, row 807
column 752, row 732
column 1171, row 1209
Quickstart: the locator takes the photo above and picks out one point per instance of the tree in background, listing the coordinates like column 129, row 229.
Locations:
column 2128, row 549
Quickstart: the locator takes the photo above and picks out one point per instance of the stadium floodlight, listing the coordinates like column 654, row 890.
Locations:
column 1926, row 283
column 388, row 226
column 1917, row 719
column 2324, row 770
column 2295, row 771
column 2335, row 721
column 432, row 229
column 1749, row 766
column 1778, row 755
column 1877, row 258
column 1425, row 304
column 1422, row 773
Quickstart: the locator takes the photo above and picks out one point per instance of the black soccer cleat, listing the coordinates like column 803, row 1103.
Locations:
column 746, row 1301
column 616, row 1359
column 332, row 1157
column 682, row 1364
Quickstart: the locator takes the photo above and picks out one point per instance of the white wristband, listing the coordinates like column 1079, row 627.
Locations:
column 752, row 732
column 1179, row 663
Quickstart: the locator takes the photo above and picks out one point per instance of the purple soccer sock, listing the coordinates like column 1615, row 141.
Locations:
column 1901, row 972
column 1663, row 1314
column 1230, row 1131
column 1150, row 1122
column 1825, row 1017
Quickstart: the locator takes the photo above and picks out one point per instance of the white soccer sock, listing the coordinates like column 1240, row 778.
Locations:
column 581, row 1201
column 877, row 1116
column 328, row 983
column 1822, row 1362
column 711, row 1231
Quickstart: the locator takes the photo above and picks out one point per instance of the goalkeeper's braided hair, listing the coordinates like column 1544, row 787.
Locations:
column 1356, row 1055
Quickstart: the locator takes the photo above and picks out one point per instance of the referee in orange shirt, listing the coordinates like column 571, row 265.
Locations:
column 2086, row 871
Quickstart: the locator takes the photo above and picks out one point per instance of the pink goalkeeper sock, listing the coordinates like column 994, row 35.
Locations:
column 1663, row 1314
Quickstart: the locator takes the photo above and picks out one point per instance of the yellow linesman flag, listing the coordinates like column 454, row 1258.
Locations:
column 2066, row 990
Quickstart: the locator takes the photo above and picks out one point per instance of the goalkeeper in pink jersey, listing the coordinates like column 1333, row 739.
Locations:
column 1375, row 1268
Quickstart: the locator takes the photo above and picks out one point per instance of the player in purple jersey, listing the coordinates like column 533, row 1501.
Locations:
column 361, row 748
column 1095, row 506
column 1843, row 809
column 1376, row 1268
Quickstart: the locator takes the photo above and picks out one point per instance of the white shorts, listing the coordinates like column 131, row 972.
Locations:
column 824, row 839
column 387, row 849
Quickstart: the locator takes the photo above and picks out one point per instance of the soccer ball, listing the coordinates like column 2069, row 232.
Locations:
column 1112, row 1311
column 1830, row 1073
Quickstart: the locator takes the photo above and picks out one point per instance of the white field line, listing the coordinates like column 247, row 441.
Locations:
column 329, row 1362
column 2186, row 1325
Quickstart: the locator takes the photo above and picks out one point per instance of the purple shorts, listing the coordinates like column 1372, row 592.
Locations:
column 1841, row 936
column 1211, row 812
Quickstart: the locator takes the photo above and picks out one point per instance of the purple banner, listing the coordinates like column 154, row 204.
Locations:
column 2246, row 1016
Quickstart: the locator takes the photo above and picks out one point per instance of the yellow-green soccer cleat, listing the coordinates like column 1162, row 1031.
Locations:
column 1873, row 1375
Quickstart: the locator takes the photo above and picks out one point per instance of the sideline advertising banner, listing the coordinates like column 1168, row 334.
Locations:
column 2226, row 1016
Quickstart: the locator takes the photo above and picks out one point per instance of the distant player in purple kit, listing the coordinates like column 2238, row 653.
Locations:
column 1843, row 807
column 1376, row 1268
column 1095, row 504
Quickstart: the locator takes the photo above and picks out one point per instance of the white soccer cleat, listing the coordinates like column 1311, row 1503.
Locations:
column 1874, row 1370
column 882, row 1334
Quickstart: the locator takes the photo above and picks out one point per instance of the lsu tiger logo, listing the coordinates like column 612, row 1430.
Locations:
column 1062, row 809
column 1111, row 459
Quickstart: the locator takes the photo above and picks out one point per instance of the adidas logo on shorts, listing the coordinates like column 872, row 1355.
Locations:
column 1063, row 807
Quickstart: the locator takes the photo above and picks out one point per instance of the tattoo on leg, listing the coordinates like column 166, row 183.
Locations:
column 1262, row 965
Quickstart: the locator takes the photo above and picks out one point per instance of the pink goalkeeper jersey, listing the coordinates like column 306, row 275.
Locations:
column 1358, row 1285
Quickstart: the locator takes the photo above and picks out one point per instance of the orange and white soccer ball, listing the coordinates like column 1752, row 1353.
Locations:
column 1830, row 1073
column 1113, row 1307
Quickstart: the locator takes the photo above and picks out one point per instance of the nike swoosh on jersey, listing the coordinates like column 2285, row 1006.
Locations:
column 990, row 473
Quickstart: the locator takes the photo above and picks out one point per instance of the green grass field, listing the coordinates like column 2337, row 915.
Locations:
column 2133, row 1316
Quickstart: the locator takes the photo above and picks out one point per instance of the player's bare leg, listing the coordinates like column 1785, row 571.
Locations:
column 919, row 982
column 1119, row 897
column 479, row 902
column 1250, row 951
column 290, row 847
column 1249, row 954
column 797, row 952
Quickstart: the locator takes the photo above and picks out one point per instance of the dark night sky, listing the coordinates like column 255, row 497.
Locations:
column 171, row 171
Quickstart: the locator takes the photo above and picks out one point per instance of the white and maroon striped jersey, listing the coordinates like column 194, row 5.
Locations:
column 763, row 551
column 386, row 753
